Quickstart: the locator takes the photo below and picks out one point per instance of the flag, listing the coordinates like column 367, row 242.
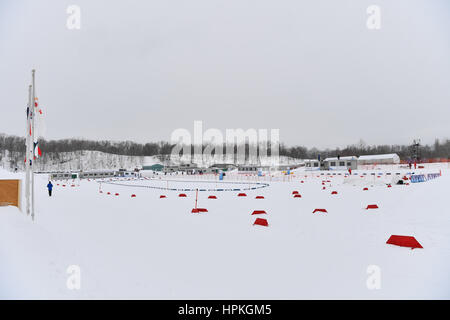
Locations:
column 39, row 123
column 37, row 150
column 39, row 127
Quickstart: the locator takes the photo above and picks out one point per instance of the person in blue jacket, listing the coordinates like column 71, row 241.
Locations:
column 49, row 187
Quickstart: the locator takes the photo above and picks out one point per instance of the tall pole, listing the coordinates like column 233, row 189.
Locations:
column 27, row 153
column 33, row 101
column 196, row 197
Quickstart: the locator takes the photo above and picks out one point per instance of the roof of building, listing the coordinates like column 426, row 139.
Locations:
column 378, row 156
column 216, row 165
column 341, row 158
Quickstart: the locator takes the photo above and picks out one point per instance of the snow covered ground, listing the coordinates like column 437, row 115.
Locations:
column 147, row 247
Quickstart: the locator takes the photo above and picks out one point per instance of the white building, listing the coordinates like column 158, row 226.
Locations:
column 334, row 163
column 311, row 164
column 391, row 158
column 343, row 163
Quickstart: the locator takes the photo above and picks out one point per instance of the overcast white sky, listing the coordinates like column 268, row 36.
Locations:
column 140, row 69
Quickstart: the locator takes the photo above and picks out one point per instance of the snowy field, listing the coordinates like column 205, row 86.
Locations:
column 147, row 247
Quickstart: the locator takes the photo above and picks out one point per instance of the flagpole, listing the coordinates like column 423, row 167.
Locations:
column 33, row 96
column 27, row 154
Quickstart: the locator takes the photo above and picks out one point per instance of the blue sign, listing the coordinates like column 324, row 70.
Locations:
column 417, row 178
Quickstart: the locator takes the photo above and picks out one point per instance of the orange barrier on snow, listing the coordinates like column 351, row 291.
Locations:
column 116, row 194
column 162, row 196
column 242, row 195
column 334, row 192
column 404, row 241
column 133, row 196
column 298, row 195
column 365, row 189
column 212, row 197
column 259, row 197
column 320, row 210
column 323, row 188
column 372, row 206
column 261, row 222
column 108, row 193
column 389, row 186
column 182, row 195
column 259, row 212
column 302, row 181
column 294, row 192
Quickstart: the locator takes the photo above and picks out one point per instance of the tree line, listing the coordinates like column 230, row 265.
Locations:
column 16, row 145
column 439, row 149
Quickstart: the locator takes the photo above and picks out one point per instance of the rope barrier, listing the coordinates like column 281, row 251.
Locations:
column 259, row 185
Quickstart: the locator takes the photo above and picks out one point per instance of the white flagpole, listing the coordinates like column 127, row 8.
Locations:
column 27, row 154
column 33, row 101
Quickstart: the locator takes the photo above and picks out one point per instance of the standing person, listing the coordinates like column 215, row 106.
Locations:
column 49, row 187
column 350, row 171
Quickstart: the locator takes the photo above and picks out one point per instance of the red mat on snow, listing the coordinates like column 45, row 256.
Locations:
column 261, row 222
column 404, row 241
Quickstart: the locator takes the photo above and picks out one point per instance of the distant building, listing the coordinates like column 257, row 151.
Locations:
column 351, row 162
column 93, row 174
column 312, row 165
column 63, row 175
column 391, row 158
column 252, row 168
column 125, row 173
column 333, row 163
column 247, row 169
column 222, row 167
column 153, row 167
column 185, row 167
column 341, row 163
